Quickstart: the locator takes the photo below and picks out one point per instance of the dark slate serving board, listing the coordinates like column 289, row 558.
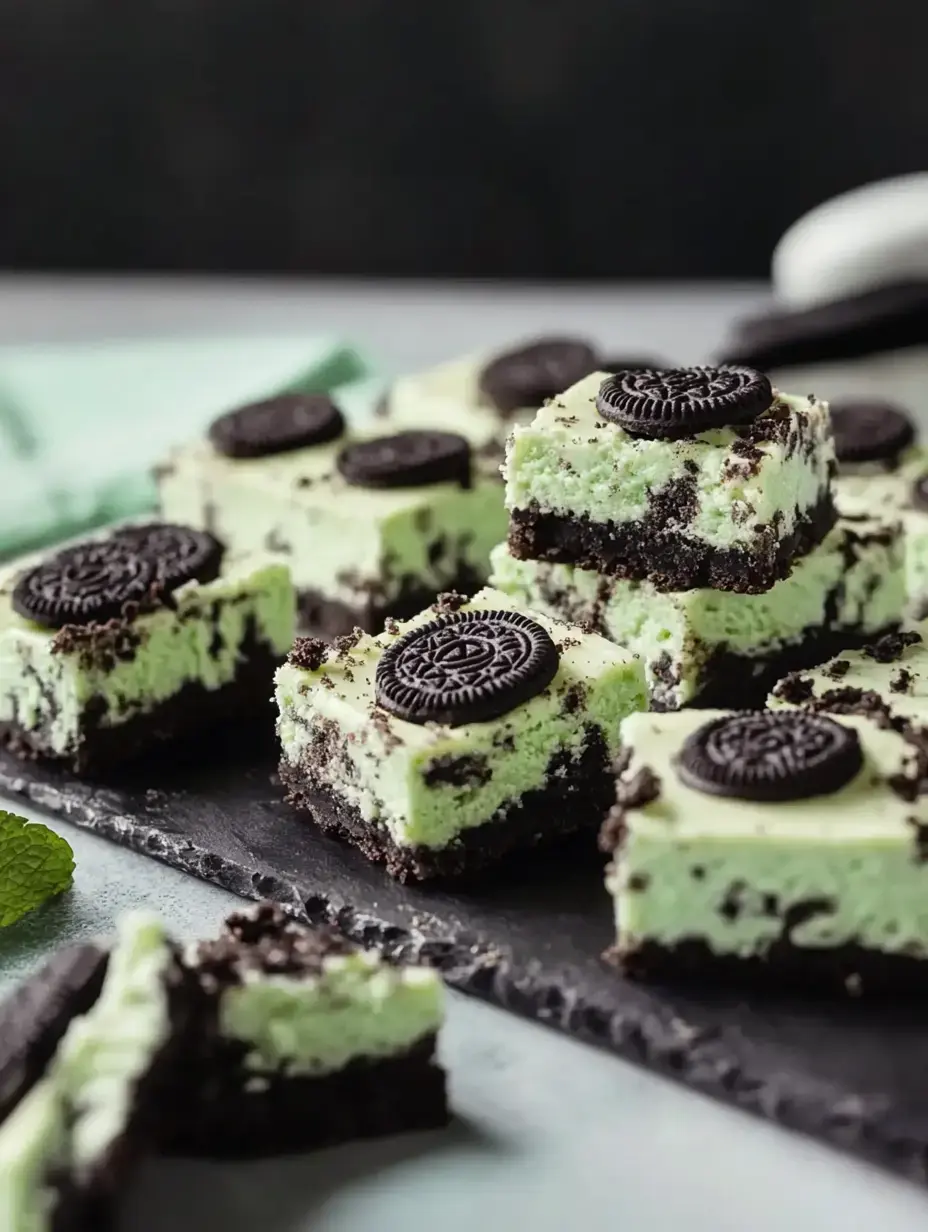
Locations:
column 528, row 939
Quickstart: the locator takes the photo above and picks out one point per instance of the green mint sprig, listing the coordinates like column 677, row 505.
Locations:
column 35, row 865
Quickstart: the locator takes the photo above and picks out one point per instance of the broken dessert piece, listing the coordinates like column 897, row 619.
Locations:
column 886, row 680
column 766, row 846
column 688, row 478
column 88, row 1078
column 452, row 739
column 117, row 643
column 303, row 1040
column 369, row 526
column 718, row 647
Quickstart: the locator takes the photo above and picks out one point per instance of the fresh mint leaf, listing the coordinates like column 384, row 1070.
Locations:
column 35, row 864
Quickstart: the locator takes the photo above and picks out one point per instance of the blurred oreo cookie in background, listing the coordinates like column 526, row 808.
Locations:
column 851, row 283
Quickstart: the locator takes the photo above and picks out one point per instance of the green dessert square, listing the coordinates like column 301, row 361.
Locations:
column 133, row 637
column 770, row 845
column 718, row 645
column 363, row 541
column 501, row 736
column 689, row 478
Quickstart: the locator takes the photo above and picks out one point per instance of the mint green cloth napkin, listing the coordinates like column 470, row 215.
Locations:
column 81, row 425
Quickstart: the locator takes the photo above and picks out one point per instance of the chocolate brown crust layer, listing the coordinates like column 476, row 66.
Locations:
column 576, row 795
column 236, row 1114
column 639, row 551
column 850, row 970
column 194, row 710
column 319, row 616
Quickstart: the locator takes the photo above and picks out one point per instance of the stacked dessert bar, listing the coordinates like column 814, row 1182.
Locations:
column 689, row 515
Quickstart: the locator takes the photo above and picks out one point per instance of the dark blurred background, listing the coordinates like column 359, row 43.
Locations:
column 514, row 138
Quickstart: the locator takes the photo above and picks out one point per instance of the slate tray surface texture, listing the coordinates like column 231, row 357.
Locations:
column 528, row 939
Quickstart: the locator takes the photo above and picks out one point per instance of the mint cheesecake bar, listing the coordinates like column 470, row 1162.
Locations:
column 482, row 396
column 140, row 635
column 760, row 845
column 70, row 1135
column 886, row 680
column 452, row 739
column 370, row 527
column 303, row 1040
column 720, row 647
column 688, row 477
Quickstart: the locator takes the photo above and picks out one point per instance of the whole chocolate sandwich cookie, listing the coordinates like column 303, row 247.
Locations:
column 471, row 731
column 722, row 648
column 121, row 642
column 771, row 847
column 482, row 396
column 687, row 478
column 886, row 681
column 370, row 526
column 303, row 1040
column 84, row 1063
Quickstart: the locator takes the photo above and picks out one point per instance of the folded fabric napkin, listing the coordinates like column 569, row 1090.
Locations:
column 81, row 425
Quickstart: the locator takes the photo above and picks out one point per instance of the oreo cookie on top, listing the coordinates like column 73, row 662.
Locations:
column 870, row 432
column 103, row 579
column 528, row 375
column 680, row 402
column 277, row 425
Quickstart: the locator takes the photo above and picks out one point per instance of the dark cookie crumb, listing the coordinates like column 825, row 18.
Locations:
column 308, row 653
column 902, row 680
column 892, row 645
column 450, row 601
column 837, row 670
column 468, row 770
column 920, row 836
column 613, row 830
column 795, row 689
column 638, row 882
column 344, row 645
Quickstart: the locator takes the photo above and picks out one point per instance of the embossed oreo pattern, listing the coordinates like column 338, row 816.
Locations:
column 679, row 402
column 179, row 553
column 770, row 756
column 88, row 583
column 466, row 667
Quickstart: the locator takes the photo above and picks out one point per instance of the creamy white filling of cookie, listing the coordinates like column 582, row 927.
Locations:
column 395, row 773
column 676, row 632
column 739, row 876
column 350, row 544
column 202, row 639
column 570, row 462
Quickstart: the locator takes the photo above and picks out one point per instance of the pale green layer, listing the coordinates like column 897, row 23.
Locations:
column 689, row 626
column 381, row 768
column 199, row 641
column 77, row 1112
column 342, row 541
column 862, row 493
column 570, row 462
column 357, row 1007
column 907, row 698
column 849, row 846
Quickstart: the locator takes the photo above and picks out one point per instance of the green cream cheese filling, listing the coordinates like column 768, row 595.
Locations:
column 390, row 770
column 75, row 1114
column 680, row 630
column 200, row 641
column 346, row 543
column 569, row 462
column 356, row 1007
column 686, row 853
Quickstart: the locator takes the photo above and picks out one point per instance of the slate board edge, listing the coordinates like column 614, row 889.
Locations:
column 667, row 1046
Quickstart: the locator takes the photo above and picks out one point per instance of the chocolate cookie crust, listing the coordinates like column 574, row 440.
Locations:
column 643, row 550
column 575, row 793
